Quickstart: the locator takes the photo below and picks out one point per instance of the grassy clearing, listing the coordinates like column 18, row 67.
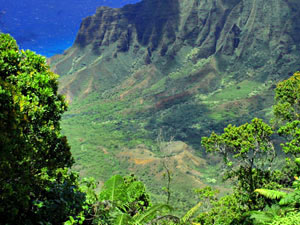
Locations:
column 234, row 92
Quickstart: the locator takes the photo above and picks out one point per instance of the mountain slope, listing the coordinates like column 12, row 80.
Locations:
column 178, row 67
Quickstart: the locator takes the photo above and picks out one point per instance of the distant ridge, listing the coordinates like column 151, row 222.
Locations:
column 257, row 36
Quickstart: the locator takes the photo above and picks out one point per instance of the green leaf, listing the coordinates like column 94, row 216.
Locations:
column 150, row 213
column 297, row 160
column 122, row 219
column 114, row 190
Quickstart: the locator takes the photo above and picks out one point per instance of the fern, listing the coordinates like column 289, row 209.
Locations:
column 190, row 213
column 291, row 199
column 271, row 194
column 150, row 213
column 261, row 218
column 292, row 218
column 265, row 217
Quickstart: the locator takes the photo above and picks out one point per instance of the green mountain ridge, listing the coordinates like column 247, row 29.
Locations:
column 176, row 68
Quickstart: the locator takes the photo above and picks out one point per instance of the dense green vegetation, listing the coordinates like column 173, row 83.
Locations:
column 188, row 68
column 37, row 186
column 34, row 156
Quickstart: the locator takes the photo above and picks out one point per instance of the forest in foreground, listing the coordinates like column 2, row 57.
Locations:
column 37, row 185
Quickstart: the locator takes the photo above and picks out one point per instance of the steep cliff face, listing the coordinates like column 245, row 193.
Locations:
column 257, row 36
column 219, row 58
column 184, row 66
column 145, row 23
column 214, row 26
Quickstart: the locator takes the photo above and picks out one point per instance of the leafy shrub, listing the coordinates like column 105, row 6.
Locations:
column 34, row 181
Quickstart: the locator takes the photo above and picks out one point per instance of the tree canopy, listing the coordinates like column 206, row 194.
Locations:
column 33, row 152
column 248, row 152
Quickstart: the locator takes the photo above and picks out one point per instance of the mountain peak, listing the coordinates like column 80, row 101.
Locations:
column 239, row 36
column 144, row 23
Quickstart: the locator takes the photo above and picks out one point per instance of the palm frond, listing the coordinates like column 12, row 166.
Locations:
column 150, row 213
column 190, row 213
column 122, row 219
column 271, row 194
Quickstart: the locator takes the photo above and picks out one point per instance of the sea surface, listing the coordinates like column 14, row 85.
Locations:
column 48, row 27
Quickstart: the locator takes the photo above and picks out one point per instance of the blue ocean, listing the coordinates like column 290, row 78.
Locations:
column 48, row 27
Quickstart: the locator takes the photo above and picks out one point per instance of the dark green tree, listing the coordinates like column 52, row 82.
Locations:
column 287, row 100
column 35, row 186
column 285, row 209
column 248, row 154
column 287, row 113
column 287, row 119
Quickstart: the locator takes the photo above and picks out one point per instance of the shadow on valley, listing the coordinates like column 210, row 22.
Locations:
column 188, row 122
column 184, row 122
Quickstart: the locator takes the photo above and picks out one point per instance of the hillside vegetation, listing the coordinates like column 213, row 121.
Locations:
column 179, row 69
column 37, row 187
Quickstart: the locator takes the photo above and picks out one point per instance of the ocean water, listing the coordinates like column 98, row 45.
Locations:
column 48, row 27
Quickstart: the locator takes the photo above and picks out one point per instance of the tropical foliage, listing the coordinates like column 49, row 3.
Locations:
column 37, row 187
column 34, row 181
column 248, row 154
